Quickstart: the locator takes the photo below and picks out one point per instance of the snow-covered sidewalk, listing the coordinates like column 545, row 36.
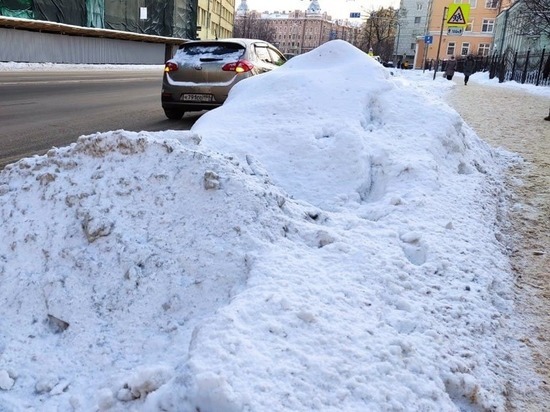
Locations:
column 511, row 116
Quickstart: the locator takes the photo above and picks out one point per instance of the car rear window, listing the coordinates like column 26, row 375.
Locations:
column 219, row 52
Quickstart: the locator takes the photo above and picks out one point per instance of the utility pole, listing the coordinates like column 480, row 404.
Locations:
column 397, row 43
column 440, row 37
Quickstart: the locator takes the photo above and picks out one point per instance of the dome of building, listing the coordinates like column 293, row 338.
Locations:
column 314, row 7
column 242, row 9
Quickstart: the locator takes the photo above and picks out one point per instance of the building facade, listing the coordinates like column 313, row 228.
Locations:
column 215, row 19
column 299, row 31
column 512, row 33
column 476, row 39
column 412, row 24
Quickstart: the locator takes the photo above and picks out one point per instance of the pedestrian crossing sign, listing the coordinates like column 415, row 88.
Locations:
column 458, row 14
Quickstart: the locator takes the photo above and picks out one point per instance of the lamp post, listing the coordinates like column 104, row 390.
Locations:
column 440, row 37
column 397, row 42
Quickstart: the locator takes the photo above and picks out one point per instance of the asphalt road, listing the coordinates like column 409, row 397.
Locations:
column 43, row 109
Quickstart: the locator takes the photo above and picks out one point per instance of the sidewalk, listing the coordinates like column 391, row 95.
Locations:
column 513, row 119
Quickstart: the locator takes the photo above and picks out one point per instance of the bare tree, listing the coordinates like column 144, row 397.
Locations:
column 536, row 17
column 252, row 26
column 379, row 31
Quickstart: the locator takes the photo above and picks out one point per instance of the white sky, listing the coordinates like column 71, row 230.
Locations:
column 336, row 8
column 326, row 240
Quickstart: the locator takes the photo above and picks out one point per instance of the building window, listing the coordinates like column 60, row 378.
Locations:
column 491, row 4
column 488, row 25
column 483, row 49
column 419, row 6
column 465, row 49
column 417, row 20
column 469, row 26
column 451, row 48
column 473, row 3
column 413, row 46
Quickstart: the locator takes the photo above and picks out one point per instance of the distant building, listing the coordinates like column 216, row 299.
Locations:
column 299, row 31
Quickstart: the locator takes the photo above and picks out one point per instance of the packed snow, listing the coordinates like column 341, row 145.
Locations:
column 329, row 239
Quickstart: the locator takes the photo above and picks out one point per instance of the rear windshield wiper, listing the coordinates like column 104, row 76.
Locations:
column 210, row 59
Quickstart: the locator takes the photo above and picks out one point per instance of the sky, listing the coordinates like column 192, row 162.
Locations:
column 336, row 8
column 334, row 247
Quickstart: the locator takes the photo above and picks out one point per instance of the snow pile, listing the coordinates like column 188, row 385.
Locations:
column 326, row 240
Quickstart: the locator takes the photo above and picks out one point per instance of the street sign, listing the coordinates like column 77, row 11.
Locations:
column 455, row 31
column 458, row 15
column 428, row 39
column 355, row 15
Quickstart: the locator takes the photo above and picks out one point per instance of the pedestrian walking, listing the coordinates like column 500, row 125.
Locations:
column 450, row 68
column 469, row 68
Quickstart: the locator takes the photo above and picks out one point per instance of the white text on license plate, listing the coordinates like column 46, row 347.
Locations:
column 197, row 97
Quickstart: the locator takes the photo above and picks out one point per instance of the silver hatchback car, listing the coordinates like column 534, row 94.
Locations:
column 202, row 72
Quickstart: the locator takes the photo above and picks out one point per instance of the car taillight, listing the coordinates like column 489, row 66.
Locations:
column 170, row 67
column 241, row 66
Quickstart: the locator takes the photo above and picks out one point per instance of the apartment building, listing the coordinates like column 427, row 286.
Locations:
column 215, row 19
column 476, row 38
column 412, row 24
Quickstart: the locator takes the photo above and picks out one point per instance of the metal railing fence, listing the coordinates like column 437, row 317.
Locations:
column 531, row 67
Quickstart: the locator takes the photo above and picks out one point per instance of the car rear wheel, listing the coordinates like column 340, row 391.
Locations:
column 173, row 114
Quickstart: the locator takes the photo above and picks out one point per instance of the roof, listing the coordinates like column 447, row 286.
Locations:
column 243, row 41
column 67, row 29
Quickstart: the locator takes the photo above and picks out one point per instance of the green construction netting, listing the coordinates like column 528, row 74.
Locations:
column 170, row 18
column 95, row 13
column 160, row 17
column 16, row 8
column 61, row 11
column 185, row 19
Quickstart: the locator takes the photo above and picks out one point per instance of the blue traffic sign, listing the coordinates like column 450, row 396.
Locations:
column 355, row 15
column 428, row 39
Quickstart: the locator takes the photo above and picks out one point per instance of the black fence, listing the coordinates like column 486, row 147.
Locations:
column 529, row 67
column 482, row 64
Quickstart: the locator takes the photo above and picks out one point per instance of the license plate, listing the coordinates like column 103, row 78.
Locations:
column 197, row 97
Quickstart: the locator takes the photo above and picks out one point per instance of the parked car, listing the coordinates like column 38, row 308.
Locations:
column 201, row 73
